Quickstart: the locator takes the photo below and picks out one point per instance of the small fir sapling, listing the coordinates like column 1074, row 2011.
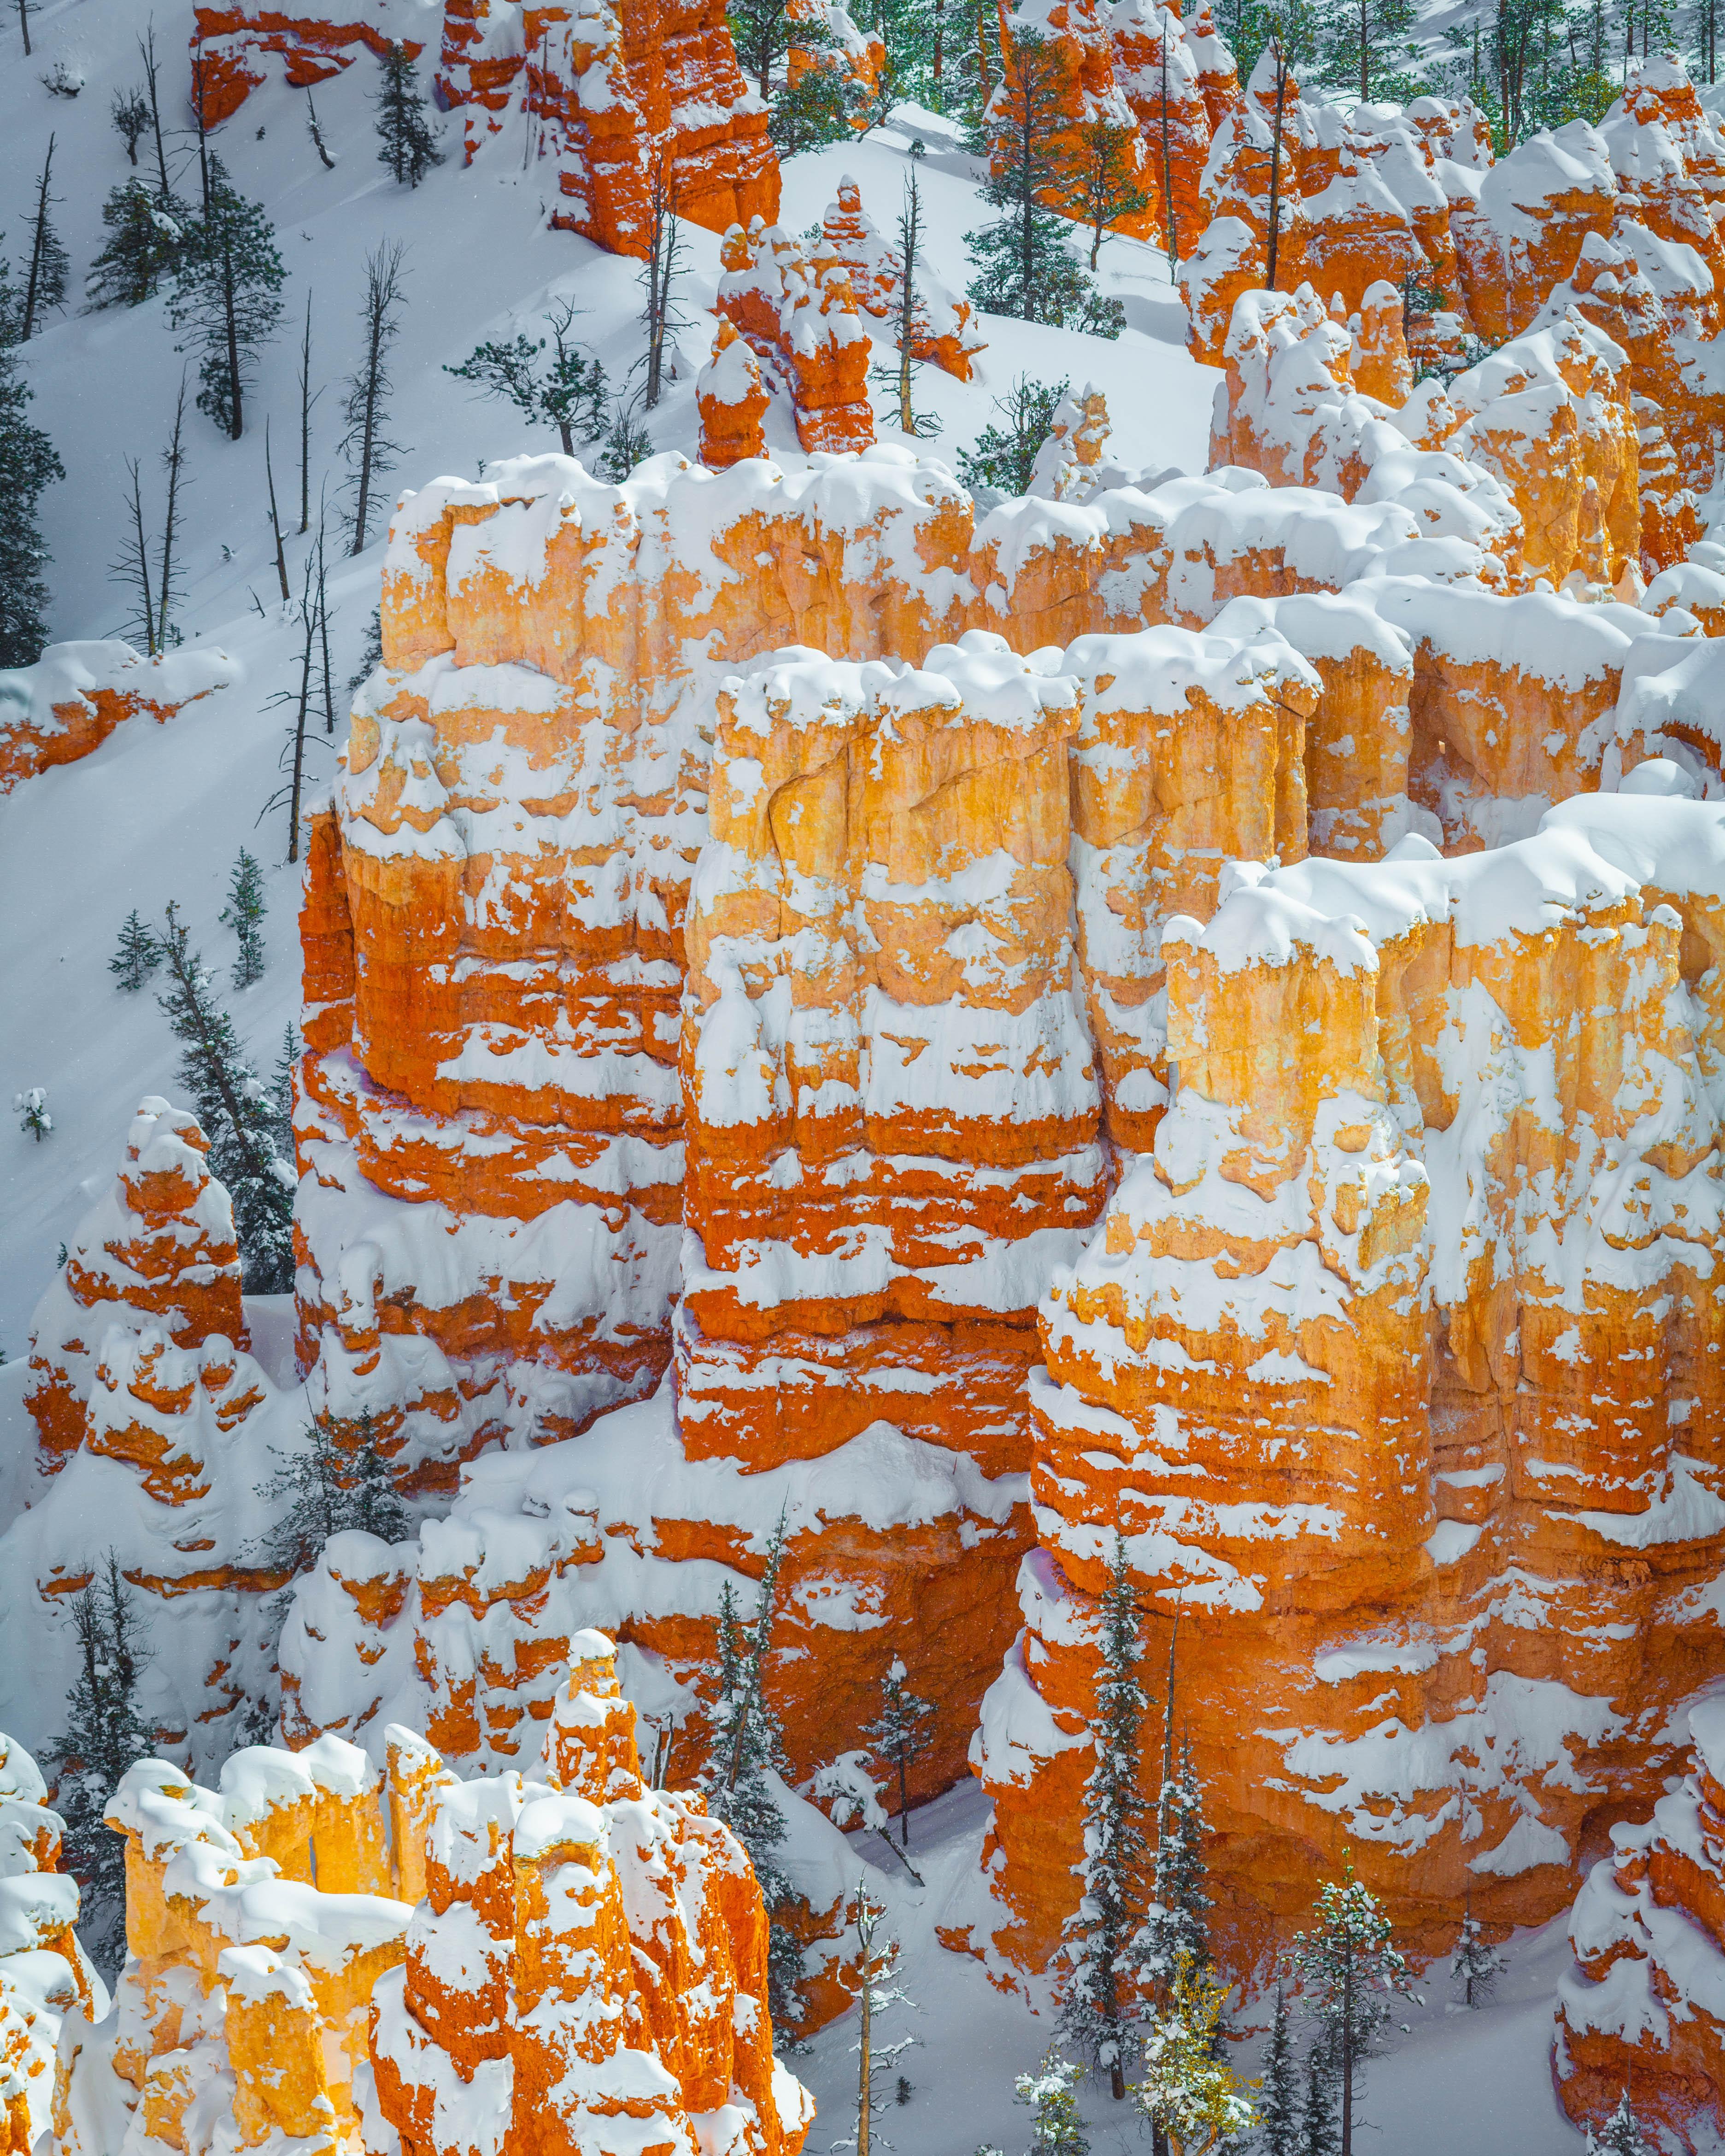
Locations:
column 878, row 1993
column 1621, row 2135
column 746, row 1766
column 625, row 445
column 236, row 1111
column 371, row 656
column 1004, row 456
column 227, row 296
column 243, row 913
column 1024, row 266
column 1102, row 1943
column 1475, row 1965
column 1177, row 1927
column 899, row 1735
column 334, row 1482
column 1350, row 1972
column 569, row 392
column 1320, row 2134
column 138, row 955
column 147, row 234
column 1057, row 2126
column 31, row 1108
column 49, row 266
column 1189, row 2095
column 1279, row 2124
column 28, row 464
column 281, row 1089
column 405, row 142
column 106, row 1733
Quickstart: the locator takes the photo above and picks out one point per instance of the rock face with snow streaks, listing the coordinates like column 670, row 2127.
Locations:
column 1643, row 2009
column 74, row 695
column 44, row 1973
column 1396, row 1363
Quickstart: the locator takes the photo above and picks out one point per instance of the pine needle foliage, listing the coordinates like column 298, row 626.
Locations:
column 337, row 1480
column 1003, row 456
column 1024, row 267
column 137, row 956
column 405, row 142
column 1190, row 2096
column 1621, row 2135
column 1051, row 2092
column 746, row 1767
column 1101, row 1950
column 146, row 235
column 227, row 296
column 243, row 913
column 899, row 1735
column 105, row 1732
column 568, row 391
column 1279, row 2125
column 1351, row 1973
column 27, row 465
column 238, row 1114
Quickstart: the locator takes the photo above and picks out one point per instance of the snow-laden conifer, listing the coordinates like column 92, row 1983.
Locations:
column 899, row 1735
column 1279, row 2124
column 1351, row 1973
column 405, row 142
column 138, row 954
column 236, row 1113
column 243, row 913
column 1102, row 1945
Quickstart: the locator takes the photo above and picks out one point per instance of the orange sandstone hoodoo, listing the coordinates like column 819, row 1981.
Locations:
column 448, row 1981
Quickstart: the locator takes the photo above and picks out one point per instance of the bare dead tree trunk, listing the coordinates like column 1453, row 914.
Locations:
column 664, row 247
column 1167, row 164
column 371, row 386
column 317, row 141
column 323, row 638
column 307, row 399
column 174, row 457
column 133, row 564
column 146, row 53
column 281, row 573
column 305, row 704
column 23, row 23
column 1282, row 87
column 39, row 248
column 910, row 233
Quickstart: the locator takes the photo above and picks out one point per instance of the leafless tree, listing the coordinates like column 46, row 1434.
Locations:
column 369, row 452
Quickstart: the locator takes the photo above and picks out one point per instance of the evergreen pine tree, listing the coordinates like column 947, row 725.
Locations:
column 236, row 1113
column 49, row 266
column 105, row 1732
column 1319, row 2133
column 1189, row 2094
column 761, row 32
column 899, row 1736
column 1365, row 48
column 1099, row 1950
column 1108, row 188
column 1057, row 2128
column 145, row 236
column 907, row 30
column 333, row 1485
column 371, row 658
column 281, row 1089
column 137, row 957
column 31, row 1108
column 1351, row 1971
column 820, row 102
column 1176, row 1926
column 1279, row 2133
column 1005, row 457
column 746, row 1759
column 1621, row 2134
column 569, row 393
column 226, row 295
column 1474, row 1965
column 1024, row 265
column 27, row 463
column 405, row 142
column 243, row 913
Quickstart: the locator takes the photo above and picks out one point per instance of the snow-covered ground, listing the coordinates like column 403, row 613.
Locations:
column 1479, row 2081
column 159, row 813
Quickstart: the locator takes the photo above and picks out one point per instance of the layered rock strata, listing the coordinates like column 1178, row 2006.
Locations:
column 627, row 100
column 1420, row 1265
column 508, row 1963
column 231, row 45
column 799, row 315
column 44, row 1973
column 1644, row 2009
